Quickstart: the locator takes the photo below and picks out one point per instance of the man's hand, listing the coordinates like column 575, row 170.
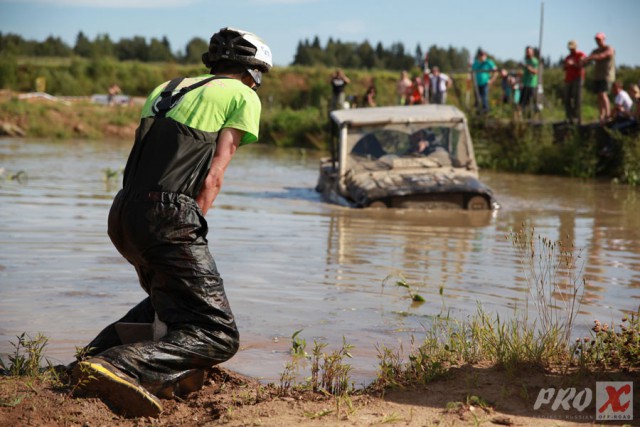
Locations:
column 228, row 142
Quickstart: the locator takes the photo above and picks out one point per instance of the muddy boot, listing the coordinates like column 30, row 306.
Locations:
column 120, row 391
column 192, row 381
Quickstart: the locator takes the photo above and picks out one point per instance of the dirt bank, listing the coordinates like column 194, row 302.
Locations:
column 479, row 395
column 39, row 115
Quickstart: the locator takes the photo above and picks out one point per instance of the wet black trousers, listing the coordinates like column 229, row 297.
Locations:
column 164, row 236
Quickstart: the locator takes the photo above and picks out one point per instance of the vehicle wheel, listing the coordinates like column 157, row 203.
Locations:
column 477, row 203
column 378, row 204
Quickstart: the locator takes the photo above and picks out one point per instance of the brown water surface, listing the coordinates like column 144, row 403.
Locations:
column 291, row 261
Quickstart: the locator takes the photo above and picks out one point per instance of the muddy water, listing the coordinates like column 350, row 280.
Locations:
column 292, row 262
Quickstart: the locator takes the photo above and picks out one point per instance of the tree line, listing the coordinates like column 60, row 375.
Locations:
column 365, row 56
column 334, row 53
column 134, row 48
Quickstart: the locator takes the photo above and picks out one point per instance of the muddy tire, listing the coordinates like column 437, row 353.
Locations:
column 477, row 203
column 378, row 204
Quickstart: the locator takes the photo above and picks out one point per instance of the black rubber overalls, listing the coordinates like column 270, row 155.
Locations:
column 157, row 226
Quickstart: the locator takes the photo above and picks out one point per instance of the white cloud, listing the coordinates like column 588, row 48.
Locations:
column 112, row 4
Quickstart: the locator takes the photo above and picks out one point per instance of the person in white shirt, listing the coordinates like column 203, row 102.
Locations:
column 622, row 103
column 402, row 87
column 439, row 84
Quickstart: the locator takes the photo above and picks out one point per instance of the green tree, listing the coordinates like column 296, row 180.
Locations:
column 131, row 49
column 303, row 54
column 103, row 46
column 83, row 46
column 52, row 46
column 367, row 55
column 160, row 51
column 194, row 50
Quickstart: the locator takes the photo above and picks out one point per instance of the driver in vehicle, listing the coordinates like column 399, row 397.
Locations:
column 425, row 143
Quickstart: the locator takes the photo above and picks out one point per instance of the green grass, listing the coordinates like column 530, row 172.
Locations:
column 27, row 356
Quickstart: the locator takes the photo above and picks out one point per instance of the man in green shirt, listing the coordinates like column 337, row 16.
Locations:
column 484, row 70
column 529, row 80
column 189, row 130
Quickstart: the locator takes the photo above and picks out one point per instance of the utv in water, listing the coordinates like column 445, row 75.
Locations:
column 403, row 157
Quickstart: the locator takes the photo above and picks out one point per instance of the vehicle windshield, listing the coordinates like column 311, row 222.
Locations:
column 409, row 141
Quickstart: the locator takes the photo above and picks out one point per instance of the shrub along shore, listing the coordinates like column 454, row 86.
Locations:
column 295, row 113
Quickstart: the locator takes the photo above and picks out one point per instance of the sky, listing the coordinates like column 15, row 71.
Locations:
column 502, row 28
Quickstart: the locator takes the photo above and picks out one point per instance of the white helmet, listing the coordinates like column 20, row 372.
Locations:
column 238, row 46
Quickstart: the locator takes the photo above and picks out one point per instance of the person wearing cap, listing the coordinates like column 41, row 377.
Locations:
column 604, row 74
column 189, row 130
column 484, row 70
column 573, row 81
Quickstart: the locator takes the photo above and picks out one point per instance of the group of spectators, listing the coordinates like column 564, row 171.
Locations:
column 519, row 87
column 625, row 106
column 431, row 88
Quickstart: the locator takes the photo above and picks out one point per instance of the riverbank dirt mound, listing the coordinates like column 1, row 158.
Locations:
column 39, row 115
column 478, row 395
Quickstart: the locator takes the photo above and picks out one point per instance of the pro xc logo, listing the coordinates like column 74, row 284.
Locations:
column 614, row 400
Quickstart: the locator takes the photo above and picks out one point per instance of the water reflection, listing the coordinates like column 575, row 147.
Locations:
column 291, row 261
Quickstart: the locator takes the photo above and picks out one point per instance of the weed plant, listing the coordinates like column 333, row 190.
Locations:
column 27, row 357
column 553, row 272
column 329, row 373
column 611, row 347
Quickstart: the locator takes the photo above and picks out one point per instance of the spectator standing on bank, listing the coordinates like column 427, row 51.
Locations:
column 369, row 98
column 510, row 88
column 439, row 83
column 604, row 74
column 112, row 92
column 573, row 81
column 484, row 70
column 338, row 83
column 415, row 95
column 529, row 81
column 505, row 84
column 635, row 96
column 402, row 87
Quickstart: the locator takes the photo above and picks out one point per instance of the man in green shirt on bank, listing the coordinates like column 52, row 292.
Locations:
column 484, row 71
column 529, row 81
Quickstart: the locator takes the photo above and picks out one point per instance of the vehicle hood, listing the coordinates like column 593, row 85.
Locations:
column 365, row 185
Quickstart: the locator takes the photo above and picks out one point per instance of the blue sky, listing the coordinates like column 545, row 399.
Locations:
column 503, row 28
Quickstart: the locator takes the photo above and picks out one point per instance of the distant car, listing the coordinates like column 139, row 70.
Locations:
column 403, row 157
column 103, row 99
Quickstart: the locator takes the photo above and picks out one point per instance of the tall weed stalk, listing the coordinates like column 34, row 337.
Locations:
column 553, row 271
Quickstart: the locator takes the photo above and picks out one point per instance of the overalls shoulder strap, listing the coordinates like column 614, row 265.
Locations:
column 168, row 99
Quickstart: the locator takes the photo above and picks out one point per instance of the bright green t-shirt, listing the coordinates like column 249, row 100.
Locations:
column 528, row 78
column 221, row 103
